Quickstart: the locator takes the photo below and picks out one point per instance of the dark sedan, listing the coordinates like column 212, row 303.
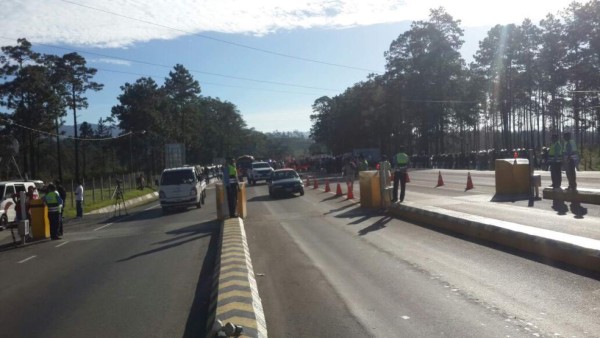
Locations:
column 285, row 181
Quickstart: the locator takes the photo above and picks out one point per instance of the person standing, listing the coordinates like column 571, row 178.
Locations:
column 385, row 171
column 54, row 203
column 555, row 154
column 79, row 199
column 401, row 167
column 230, row 180
column 349, row 173
column 62, row 192
column 571, row 160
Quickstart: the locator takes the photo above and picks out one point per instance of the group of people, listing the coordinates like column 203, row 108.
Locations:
column 54, row 199
column 563, row 153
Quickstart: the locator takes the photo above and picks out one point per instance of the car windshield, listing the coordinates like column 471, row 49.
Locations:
column 260, row 165
column 280, row 175
column 177, row 177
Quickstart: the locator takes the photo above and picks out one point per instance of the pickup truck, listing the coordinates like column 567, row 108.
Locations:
column 259, row 171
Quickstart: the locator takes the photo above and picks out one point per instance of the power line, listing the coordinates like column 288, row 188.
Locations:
column 204, row 83
column 221, row 40
column 12, row 123
column 169, row 67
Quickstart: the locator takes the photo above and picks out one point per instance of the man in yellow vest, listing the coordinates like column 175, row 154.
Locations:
column 401, row 165
column 54, row 204
column 555, row 155
column 571, row 160
column 230, row 180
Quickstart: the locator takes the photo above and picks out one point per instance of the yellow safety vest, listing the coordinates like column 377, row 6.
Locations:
column 555, row 152
column 571, row 148
column 51, row 199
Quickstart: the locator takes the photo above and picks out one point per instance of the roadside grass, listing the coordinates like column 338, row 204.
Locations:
column 590, row 159
column 92, row 200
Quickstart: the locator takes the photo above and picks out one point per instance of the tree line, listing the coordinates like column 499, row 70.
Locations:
column 40, row 90
column 525, row 82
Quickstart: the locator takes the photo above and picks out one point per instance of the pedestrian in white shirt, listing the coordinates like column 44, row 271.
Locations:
column 79, row 199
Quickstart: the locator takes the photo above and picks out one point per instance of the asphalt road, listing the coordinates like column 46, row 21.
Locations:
column 326, row 268
column 145, row 275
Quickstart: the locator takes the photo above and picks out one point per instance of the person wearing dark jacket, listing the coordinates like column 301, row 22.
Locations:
column 63, row 195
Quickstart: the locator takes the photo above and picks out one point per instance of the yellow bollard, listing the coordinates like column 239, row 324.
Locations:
column 40, row 225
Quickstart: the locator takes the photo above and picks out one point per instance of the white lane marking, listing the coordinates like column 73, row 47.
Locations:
column 61, row 244
column 102, row 227
column 28, row 258
column 152, row 207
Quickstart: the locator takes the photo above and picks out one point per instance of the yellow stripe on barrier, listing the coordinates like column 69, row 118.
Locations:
column 227, row 284
column 235, row 306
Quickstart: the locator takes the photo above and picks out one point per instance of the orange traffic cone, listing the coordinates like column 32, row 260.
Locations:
column 308, row 181
column 338, row 191
column 440, row 180
column 316, row 185
column 407, row 178
column 350, row 194
column 327, row 188
column 469, row 183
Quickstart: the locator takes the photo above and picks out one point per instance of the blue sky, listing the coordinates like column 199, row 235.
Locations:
column 279, row 91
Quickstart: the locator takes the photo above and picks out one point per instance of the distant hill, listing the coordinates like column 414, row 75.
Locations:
column 67, row 130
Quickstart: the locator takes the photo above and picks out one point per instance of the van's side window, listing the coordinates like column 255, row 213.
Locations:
column 10, row 190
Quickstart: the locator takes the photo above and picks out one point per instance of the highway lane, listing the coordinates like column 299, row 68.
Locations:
column 326, row 268
column 146, row 275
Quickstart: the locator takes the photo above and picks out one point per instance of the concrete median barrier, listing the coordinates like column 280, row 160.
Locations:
column 235, row 300
column 574, row 250
column 589, row 196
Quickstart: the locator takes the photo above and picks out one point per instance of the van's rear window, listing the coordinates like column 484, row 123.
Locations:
column 177, row 177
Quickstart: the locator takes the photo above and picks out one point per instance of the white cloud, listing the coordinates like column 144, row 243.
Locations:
column 62, row 21
column 112, row 61
column 284, row 119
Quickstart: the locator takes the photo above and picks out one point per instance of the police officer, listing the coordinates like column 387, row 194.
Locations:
column 572, row 160
column 555, row 154
column 230, row 179
column 401, row 166
column 54, row 204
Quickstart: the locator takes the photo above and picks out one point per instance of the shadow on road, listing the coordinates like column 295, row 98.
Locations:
column 198, row 231
column 378, row 225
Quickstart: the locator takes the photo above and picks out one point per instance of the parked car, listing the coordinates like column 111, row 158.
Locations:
column 260, row 171
column 285, row 181
column 8, row 189
column 181, row 188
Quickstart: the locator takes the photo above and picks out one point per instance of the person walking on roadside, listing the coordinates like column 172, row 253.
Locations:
column 230, row 180
column 54, row 203
column 79, row 199
column 349, row 173
column 62, row 192
column 401, row 167
column 571, row 157
column 555, row 154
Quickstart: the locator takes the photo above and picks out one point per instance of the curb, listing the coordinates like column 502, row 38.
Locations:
column 235, row 298
column 129, row 203
column 574, row 250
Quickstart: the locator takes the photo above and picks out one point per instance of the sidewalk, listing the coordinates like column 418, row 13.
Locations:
column 567, row 238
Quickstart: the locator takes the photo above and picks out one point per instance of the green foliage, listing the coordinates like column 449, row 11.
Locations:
column 525, row 81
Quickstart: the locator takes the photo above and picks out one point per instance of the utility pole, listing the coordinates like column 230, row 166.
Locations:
column 58, row 157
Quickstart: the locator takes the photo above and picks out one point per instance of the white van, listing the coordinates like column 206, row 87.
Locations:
column 8, row 189
column 181, row 188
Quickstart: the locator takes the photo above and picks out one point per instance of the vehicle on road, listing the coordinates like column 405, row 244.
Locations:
column 8, row 189
column 244, row 164
column 285, row 181
column 260, row 171
column 181, row 187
